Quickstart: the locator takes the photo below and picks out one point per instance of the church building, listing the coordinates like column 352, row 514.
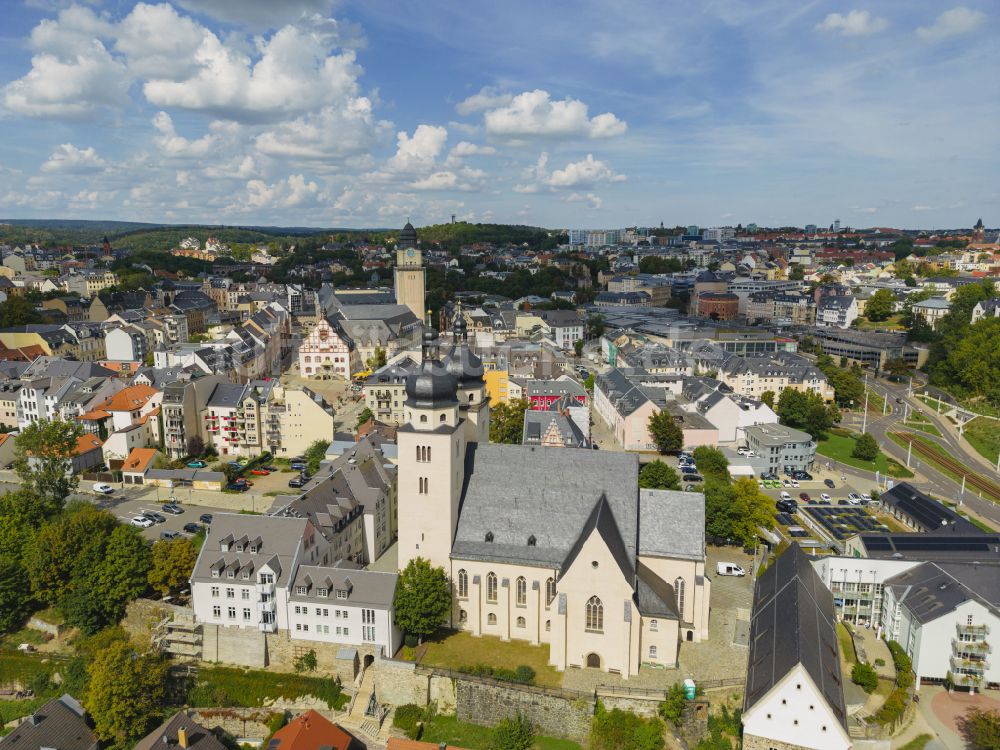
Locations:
column 557, row 547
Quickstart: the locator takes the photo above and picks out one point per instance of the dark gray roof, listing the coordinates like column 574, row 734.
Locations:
column 365, row 586
column 551, row 496
column 164, row 737
column 926, row 511
column 793, row 622
column 933, row 546
column 226, row 396
column 654, row 596
column 58, row 724
column 538, row 423
column 602, row 520
column 672, row 524
column 280, row 541
column 932, row 590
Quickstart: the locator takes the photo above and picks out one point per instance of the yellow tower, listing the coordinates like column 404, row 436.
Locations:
column 410, row 273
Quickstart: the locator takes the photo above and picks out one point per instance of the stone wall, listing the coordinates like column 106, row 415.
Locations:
column 246, row 648
column 43, row 626
column 237, row 722
column 401, row 682
column 282, row 651
column 142, row 616
column 639, row 706
column 485, row 703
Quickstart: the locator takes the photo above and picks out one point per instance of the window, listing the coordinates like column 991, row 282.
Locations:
column 423, row 417
column 368, row 633
column 520, row 622
column 215, row 572
column 266, row 578
column 323, row 592
column 491, row 587
column 230, row 593
column 246, row 613
column 443, row 417
column 463, row 616
column 245, row 594
column 550, row 591
column 531, row 540
column 522, row 591
column 595, row 615
column 491, row 619
column 368, row 616
column 654, row 625
column 342, row 594
column 548, row 625
column 232, row 613
column 215, row 591
column 347, row 631
column 216, row 611
column 422, row 485
column 968, row 620
column 679, row 585
column 652, row 652
column 463, row 584
column 423, row 453
column 301, row 590
column 489, row 536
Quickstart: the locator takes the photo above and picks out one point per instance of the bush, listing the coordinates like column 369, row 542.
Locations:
column 276, row 721
column 620, row 730
column 864, row 675
column 409, row 718
column 672, row 709
column 865, row 448
column 307, row 662
column 411, row 641
column 524, row 674
column 880, row 662
column 513, row 734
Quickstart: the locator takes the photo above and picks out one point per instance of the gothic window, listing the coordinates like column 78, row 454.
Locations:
column 595, row 615
column 491, row 587
column 491, row 619
column 550, row 591
column 520, row 622
column 463, row 583
column 522, row 591
column 463, row 616
column 679, row 585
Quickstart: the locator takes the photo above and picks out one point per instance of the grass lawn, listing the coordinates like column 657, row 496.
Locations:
column 917, row 743
column 903, row 442
column 884, row 687
column 454, row 732
column 10, row 710
column 846, row 644
column 892, row 523
column 893, row 322
column 25, row 635
column 926, row 427
column 840, row 447
column 984, row 436
column 461, row 649
column 876, row 404
column 249, row 688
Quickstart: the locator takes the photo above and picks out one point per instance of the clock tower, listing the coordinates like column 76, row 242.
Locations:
column 410, row 273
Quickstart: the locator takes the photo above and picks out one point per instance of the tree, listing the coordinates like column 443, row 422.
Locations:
column 195, row 445
column 595, row 326
column 865, row 448
column 423, row 598
column 513, row 734
column 578, row 347
column 981, row 729
column 363, row 417
column 43, row 458
column 864, row 676
column 711, row 461
column 315, row 454
column 768, row 398
column 15, row 605
column 17, row 311
column 656, row 475
column 666, row 433
column 377, row 360
column 672, row 709
column 171, row 563
column 897, row 368
column 621, row 730
column 797, row 273
column 806, row 411
column 880, row 305
column 307, row 662
column 127, row 692
column 507, row 422
column 752, row 509
column 21, row 515
column 720, row 512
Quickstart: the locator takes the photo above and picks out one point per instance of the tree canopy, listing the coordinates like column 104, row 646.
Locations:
column 880, row 305
column 711, row 461
column 43, row 458
column 806, row 411
column 666, row 433
column 507, row 422
column 423, row 598
column 171, row 563
column 656, row 475
column 126, row 693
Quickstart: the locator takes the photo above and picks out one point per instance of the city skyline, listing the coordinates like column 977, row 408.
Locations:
column 366, row 114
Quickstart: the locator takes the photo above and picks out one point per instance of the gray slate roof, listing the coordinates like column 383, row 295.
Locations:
column 58, row 724
column 280, row 540
column 932, row 590
column 550, row 496
column 793, row 622
column 164, row 737
column 672, row 524
column 365, row 586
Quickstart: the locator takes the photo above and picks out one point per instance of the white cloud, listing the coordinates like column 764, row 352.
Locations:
column 419, row 152
column 291, row 192
column 258, row 14
column 340, row 131
column 438, row 181
column 533, row 113
column 178, row 146
column 159, row 43
column 487, row 98
column 593, row 202
column 954, row 22
column 464, row 148
column 855, row 23
column 67, row 158
column 588, row 172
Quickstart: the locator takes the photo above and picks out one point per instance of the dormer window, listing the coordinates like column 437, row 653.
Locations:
column 301, row 590
column 489, row 536
column 215, row 573
column 323, row 593
column 224, row 546
column 253, row 549
column 231, row 573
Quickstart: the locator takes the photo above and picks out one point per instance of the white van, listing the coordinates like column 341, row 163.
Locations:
column 729, row 569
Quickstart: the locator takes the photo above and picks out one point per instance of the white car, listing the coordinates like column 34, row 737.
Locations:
column 785, row 496
column 795, row 483
column 141, row 521
column 743, row 451
column 854, row 498
column 104, row 489
column 825, row 497
column 866, row 497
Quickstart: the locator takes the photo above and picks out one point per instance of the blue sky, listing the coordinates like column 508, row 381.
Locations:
column 593, row 113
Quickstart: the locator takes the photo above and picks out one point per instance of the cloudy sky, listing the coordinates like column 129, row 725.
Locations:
column 583, row 113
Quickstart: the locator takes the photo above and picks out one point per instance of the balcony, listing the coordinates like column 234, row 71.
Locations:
column 265, row 588
column 267, row 627
column 969, row 666
column 978, row 630
column 970, row 647
column 268, row 606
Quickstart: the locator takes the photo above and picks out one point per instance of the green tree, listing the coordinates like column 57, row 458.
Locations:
column 711, row 461
column 22, row 513
column 195, row 446
column 768, row 398
column 621, row 730
column 864, row 676
column 507, row 422
column 666, row 433
column 15, row 605
column 127, row 692
column 720, row 511
column 363, row 417
column 796, row 273
column 752, row 509
column 880, row 305
column 17, row 311
column 589, row 382
column 595, row 326
column 806, row 411
column 171, row 563
column 315, row 454
column 43, row 454
column 656, row 475
column 981, row 729
column 671, row 710
column 865, row 448
column 513, row 734
column 307, row 662
column 377, row 360
column 423, row 598
column 897, row 368
column 578, row 348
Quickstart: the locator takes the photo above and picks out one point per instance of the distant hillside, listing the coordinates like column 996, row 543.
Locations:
column 453, row 236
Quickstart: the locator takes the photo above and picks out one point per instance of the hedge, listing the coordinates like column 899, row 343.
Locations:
column 523, row 675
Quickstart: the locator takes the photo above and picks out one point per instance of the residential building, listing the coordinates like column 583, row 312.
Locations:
column 385, row 390
column 836, row 311
column 794, row 695
column 541, row 394
column 552, row 429
column 127, row 343
column 752, row 376
column 60, row 723
column 931, row 310
column 989, row 308
column 657, row 287
column 729, row 413
column 313, row 731
column 623, row 299
column 783, row 448
column 180, row 732
column 182, row 406
column 565, row 327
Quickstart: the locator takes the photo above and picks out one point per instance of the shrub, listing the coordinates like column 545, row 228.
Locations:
column 306, row 662
column 513, row 734
column 524, row 674
column 620, row 730
column 276, row 721
column 672, row 709
column 409, row 719
column 864, row 675
column 411, row 641
column 880, row 662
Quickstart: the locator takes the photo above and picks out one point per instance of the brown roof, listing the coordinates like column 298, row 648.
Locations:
column 130, row 398
column 311, row 731
column 87, row 443
column 139, row 460
column 398, row 743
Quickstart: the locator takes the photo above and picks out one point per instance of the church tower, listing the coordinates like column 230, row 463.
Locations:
column 410, row 273
column 467, row 369
column 431, row 461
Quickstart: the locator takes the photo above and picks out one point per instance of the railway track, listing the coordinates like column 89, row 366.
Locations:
column 988, row 487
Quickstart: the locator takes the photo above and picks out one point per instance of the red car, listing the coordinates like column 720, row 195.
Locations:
column 804, row 497
column 259, row 472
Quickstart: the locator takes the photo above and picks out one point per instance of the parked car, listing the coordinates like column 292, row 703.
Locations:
column 192, row 528
column 155, row 517
column 172, row 508
column 854, row 498
column 804, row 475
column 729, row 569
column 843, row 501
column 205, row 518
column 169, row 535
column 866, row 498
column 141, row 521
column 786, row 506
column 804, row 497
column 104, row 489
column 296, row 482
column 825, row 498
column 237, row 487
column 786, row 483
column 829, row 483
column 693, row 478
column 297, row 466
column 689, row 469
column 270, row 468
column 235, row 465
column 196, row 464
column 785, row 496
column 743, row 451
column 259, row 472
column 795, row 483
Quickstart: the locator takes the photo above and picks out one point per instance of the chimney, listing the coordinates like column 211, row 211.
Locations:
column 182, row 737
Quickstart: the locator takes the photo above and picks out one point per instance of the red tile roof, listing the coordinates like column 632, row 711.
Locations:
column 139, row 460
column 397, row 743
column 311, row 731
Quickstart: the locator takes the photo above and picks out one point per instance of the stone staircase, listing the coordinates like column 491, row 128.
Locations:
column 371, row 726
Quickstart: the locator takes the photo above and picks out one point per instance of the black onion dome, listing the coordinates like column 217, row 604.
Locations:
column 408, row 236
column 465, row 366
column 431, row 387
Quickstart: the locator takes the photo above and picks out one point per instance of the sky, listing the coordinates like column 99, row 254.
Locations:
column 582, row 114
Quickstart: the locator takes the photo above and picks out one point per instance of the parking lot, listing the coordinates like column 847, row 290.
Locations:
column 126, row 504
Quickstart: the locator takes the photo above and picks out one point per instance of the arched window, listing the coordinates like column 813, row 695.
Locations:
column 520, row 622
column 463, row 583
column 491, row 619
column 309, row 359
column 522, row 591
column 427, row 453
column 463, row 616
column 654, row 625
column 595, row 615
column 491, row 587
column 550, row 591
column 489, row 536
column 423, row 417
column 472, row 397
column 679, row 585
column 532, row 540
column 548, row 625
column 422, row 485
column 443, row 417
column 652, row 652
